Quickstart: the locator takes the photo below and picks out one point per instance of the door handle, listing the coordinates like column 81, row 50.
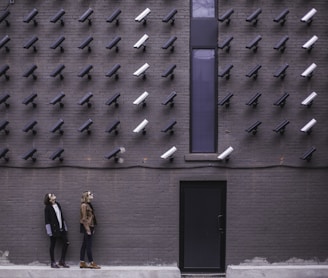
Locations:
column 220, row 223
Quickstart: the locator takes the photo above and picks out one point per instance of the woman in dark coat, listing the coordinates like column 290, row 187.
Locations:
column 56, row 229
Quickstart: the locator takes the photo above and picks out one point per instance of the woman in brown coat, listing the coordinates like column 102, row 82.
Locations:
column 87, row 227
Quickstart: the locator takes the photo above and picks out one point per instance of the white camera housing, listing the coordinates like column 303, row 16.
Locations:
column 141, row 126
column 143, row 15
column 308, row 72
column 309, row 125
column 307, row 101
column 141, row 41
column 141, row 70
column 226, row 153
column 310, row 42
column 141, row 98
column 169, row 153
column 308, row 16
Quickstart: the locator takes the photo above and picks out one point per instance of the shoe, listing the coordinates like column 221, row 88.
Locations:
column 63, row 264
column 83, row 265
column 93, row 265
column 54, row 265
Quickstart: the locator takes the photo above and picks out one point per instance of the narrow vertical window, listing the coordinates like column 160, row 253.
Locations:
column 203, row 101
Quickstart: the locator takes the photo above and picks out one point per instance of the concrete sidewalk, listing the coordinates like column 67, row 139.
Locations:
column 22, row 271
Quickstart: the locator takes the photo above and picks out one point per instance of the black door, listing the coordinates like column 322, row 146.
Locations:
column 202, row 226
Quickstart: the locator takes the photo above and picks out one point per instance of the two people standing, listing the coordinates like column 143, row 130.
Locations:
column 56, row 229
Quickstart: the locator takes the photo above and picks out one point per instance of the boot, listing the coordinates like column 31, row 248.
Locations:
column 63, row 264
column 83, row 265
column 54, row 265
column 93, row 265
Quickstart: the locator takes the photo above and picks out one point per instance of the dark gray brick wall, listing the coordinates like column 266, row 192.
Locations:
column 276, row 203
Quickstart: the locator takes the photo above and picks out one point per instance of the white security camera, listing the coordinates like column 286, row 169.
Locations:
column 308, row 72
column 309, row 15
column 308, row 101
column 141, row 41
column 142, row 16
column 141, row 126
column 141, row 98
column 309, row 44
column 169, row 154
column 225, row 154
column 307, row 128
column 141, row 70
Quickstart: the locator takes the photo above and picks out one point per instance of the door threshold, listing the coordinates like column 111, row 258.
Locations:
column 202, row 275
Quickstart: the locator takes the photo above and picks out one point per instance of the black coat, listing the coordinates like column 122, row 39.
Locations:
column 52, row 221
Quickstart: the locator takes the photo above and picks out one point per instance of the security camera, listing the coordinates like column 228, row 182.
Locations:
column 309, row 71
column 57, row 127
column 30, row 154
column 141, row 42
column 169, row 153
column 86, row 43
column 141, row 127
column 310, row 43
column 281, row 45
column 141, row 70
column 281, row 72
column 3, row 17
column 253, row 128
column 113, row 71
column 226, row 100
column 114, row 154
column 3, row 126
column 30, row 99
column 58, row 16
column 57, row 71
column 3, row 71
column 169, row 43
column 86, row 99
column 225, row 155
column 253, row 44
column 254, row 72
column 308, row 17
column 308, row 154
column 308, row 127
column 113, row 43
column 282, row 100
column 254, row 100
column 85, row 126
column 30, row 126
column 113, row 127
column 226, row 16
column 58, row 43
column 141, row 99
column 86, row 15
column 170, row 16
column 30, row 71
column 31, row 16
column 169, row 127
column 226, row 44
column 58, row 99
column 113, row 99
column 170, row 99
column 281, row 17
column 30, row 42
column 281, row 127
column 226, row 72
column 253, row 17
column 169, row 71
column 309, row 100
column 114, row 16
column 57, row 154
column 4, row 98
column 86, row 71
column 4, row 41
column 142, row 16
column 3, row 153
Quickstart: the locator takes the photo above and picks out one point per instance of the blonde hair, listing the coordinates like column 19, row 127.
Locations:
column 85, row 196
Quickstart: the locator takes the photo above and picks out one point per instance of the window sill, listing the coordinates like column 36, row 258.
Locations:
column 201, row 157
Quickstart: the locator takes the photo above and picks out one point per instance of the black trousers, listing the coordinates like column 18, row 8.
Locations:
column 87, row 246
column 53, row 240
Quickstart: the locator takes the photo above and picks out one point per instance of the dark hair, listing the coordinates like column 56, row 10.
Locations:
column 46, row 200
